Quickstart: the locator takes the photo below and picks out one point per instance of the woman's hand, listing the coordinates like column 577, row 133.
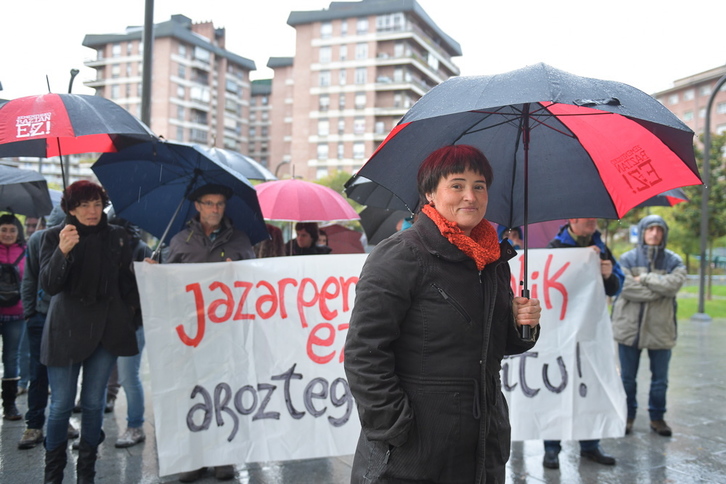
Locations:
column 526, row 311
column 69, row 237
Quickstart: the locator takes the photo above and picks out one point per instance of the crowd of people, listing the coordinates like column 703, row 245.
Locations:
column 434, row 317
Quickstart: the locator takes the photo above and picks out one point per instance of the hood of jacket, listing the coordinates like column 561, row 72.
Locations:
column 56, row 217
column 649, row 221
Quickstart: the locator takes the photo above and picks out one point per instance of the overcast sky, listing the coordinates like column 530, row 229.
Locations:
column 647, row 44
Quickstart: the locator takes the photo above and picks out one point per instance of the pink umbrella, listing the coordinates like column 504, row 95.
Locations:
column 300, row 201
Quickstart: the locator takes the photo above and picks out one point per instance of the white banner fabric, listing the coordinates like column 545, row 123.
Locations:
column 246, row 358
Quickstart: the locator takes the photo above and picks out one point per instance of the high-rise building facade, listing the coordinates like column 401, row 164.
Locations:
column 688, row 99
column 358, row 67
column 201, row 91
column 260, row 107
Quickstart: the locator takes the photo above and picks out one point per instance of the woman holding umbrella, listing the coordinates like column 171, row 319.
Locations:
column 86, row 267
column 434, row 316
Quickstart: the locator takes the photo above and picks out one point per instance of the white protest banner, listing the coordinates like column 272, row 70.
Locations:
column 246, row 359
column 567, row 387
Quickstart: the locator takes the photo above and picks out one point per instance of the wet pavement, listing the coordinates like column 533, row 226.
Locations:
column 695, row 454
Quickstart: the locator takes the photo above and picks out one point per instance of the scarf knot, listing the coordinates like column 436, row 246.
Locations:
column 482, row 246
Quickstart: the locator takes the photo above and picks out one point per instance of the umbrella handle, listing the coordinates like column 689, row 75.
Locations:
column 526, row 330
column 157, row 251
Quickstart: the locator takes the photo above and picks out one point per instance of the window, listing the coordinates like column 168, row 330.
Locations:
column 673, row 99
column 380, row 127
column 115, row 71
column 182, row 71
column 359, row 126
column 252, row 132
column 129, row 48
column 398, row 75
column 326, row 30
column 702, row 113
column 116, row 50
column 433, row 61
column 361, row 26
column 181, row 92
column 704, row 90
column 344, row 28
column 341, row 101
column 341, row 126
column 689, row 95
column 361, row 50
column 325, row 54
column 721, row 108
column 341, row 151
column 324, row 103
column 180, row 113
column 182, row 51
column 343, row 52
column 199, row 93
column 231, row 86
column 688, row 116
column 398, row 50
column 359, row 150
column 179, row 133
column 361, row 74
column 323, row 151
column 128, row 70
column 360, row 100
column 324, row 77
column 265, row 100
column 391, row 22
column 323, row 127
column 202, row 55
column 342, row 78
column 115, row 91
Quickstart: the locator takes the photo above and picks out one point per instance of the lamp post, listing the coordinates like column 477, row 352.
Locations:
column 701, row 314
column 277, row 168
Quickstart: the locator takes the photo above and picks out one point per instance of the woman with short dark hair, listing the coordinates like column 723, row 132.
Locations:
column 86, row 267
column 434, row 315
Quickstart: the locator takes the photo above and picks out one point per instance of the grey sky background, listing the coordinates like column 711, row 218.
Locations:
column 645, row 43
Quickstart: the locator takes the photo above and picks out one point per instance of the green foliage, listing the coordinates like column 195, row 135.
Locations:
column 688, row 302
column 336, row 181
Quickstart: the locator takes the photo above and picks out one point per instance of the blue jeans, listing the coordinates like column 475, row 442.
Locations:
column 130, row 380
column 11, row 328
column 38, row 387
column 659, row 362
column 585, row 445
column 63, row 380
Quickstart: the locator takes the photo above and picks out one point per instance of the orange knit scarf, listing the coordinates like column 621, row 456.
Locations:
column 482, row 246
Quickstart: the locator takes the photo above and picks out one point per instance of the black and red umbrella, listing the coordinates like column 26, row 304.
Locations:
column 560, row 145
column 669, row 198
column 65, row 124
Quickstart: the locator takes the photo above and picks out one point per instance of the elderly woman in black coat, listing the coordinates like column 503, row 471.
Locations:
column 434, row 315
column 85, row 265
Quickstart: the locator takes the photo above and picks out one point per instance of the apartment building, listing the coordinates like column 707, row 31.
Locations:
column 260, row 108
column 688, row 99
column 358, row 67
column 201, row 91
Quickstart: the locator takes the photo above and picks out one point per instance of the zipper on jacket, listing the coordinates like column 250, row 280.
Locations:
column 453, row 302
column 388, row 454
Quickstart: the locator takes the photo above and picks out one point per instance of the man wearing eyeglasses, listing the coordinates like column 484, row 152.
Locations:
column 210, row 236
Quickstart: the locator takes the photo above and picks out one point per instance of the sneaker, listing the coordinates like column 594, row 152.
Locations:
column 30, row 438
column 72, row 433
column 224, row 473
column 661, row 428
column 132, row 436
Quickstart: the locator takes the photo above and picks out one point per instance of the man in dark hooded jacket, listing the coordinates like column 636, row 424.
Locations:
column 35, row 308
column 644, row 316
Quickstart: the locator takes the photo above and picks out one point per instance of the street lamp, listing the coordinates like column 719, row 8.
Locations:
column 701, row 314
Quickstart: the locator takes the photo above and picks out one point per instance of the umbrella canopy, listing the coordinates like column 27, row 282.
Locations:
column 560, row 145
column 24, row 192
column 669, row 198
column 148, row 181
column 380, row 223
column 301, row 201
column 366, row 192
column 64, row 124
column 249, row 168
column 343, row 240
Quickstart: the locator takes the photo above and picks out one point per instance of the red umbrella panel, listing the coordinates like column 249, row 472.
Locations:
column 301, row 201
column 343, row 240
column 64, row 124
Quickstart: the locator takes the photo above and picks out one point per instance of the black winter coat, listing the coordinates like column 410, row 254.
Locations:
column 423, row 354
column 75, row 328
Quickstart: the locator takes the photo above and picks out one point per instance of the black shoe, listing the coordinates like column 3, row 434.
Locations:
column 597, row 456
column 551, row 460
column 661, row 428
column 629, row 426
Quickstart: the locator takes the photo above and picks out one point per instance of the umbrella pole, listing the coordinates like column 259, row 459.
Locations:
column 526, row 332
column 155, row 254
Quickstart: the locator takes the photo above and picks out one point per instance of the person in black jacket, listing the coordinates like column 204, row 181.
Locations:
column 582, row 232
column 85, row 266
column 434, row 315
column 306, row 240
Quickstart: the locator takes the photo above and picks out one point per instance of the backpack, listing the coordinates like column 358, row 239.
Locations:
column 10, row 282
